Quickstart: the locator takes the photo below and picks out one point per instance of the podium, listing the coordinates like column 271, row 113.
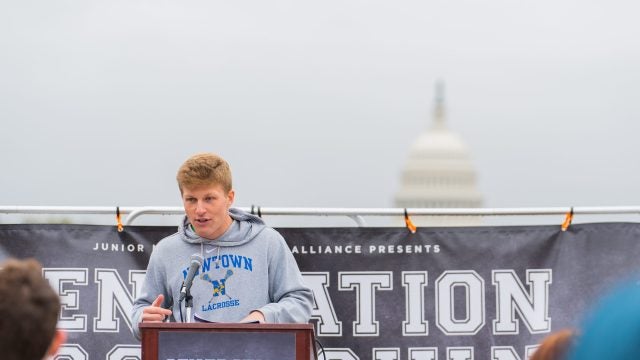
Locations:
column 173, row 341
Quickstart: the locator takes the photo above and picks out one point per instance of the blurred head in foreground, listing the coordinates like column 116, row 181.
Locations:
column 29, row 310
column 612, row 329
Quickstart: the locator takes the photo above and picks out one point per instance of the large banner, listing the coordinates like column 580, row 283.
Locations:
column 380, row 293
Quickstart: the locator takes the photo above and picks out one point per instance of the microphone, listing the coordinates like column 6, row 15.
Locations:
column 196, row 263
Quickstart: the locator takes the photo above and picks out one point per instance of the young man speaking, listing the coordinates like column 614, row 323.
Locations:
column 248, row 272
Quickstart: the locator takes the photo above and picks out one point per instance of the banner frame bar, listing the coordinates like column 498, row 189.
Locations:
column 356, row 214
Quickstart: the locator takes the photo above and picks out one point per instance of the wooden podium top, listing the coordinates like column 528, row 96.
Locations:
column 225, row 326
column 166, row 341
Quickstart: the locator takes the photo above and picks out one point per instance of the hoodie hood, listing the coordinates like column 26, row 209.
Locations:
column 244, row 228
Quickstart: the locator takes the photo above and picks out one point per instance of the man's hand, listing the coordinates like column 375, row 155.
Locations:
column 253, row 317
column 154, row 312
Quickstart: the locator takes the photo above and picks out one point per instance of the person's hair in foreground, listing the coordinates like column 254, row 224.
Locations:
column 612, row 329
column 555, row 346
column 204, row 169
column 29, row 310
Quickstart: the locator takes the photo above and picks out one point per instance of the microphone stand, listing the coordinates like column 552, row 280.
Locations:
column 188, row 304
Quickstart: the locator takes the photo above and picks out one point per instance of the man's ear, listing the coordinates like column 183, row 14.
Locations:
column 231, row 196
column 58, row 339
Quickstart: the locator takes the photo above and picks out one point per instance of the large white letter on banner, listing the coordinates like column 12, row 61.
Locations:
column 386, row 354
column 124, row 352
column 69, row 299
column 426, row 353
column 509, row 353
column 504, row 353
column 71, row 352
column 460, row 353
column 323, row 310
column 339, row 354
column 112, row 295
column 511, row 296
column 414, row 323
column 365, row 283
column 474, row 300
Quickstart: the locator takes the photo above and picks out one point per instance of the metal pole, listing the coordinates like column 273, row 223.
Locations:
column 354, row 213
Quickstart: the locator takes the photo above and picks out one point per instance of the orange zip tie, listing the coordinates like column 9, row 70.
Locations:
column 119, row 219
column 567, row 220
column 409, row 223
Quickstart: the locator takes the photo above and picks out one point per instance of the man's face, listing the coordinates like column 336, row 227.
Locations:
column 207, row 209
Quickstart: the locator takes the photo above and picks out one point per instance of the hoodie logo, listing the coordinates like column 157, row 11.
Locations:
column 231, row 264
column 219, row 287
column 226, row 261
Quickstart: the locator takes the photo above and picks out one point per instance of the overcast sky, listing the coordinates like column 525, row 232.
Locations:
column 316, row 104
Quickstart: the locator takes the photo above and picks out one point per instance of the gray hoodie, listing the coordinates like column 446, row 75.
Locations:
column 249, row 267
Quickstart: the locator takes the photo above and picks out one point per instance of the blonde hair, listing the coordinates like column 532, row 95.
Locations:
column 204, row 169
